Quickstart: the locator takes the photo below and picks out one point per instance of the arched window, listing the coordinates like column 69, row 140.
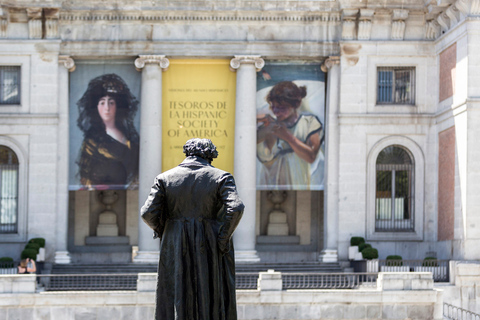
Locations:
column 394, row 200
column 8, row 191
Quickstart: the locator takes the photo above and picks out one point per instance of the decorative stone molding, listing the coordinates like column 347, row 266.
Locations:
column 51, row 22
column 453, row 14
column 67, row 62
column 34, row 23
column 475, row 7
column 3, row 24
column 329, row 63
column 365, row 24
column 432, row 30
column 349, row 17
column 444, row 21
column 142, row 60
column 3, row 27
column 463, row 6
column 253, row 59
column 398, row 24
column 104, row 15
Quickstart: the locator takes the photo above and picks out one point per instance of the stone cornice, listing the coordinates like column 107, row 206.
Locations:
column 171, row 16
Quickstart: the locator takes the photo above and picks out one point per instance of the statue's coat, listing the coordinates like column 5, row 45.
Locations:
column 194, row 208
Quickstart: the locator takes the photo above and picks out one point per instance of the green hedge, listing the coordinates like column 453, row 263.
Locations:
column 430, row 262
column 370, row 253
column 355, row 241
column 6, row 262
column 33, row 246
column 39, row 241
column 363, row 246
column 29, row 253
column 394, row 260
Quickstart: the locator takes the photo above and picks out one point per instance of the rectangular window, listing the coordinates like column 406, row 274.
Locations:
column 396, row 85
column 9, row 85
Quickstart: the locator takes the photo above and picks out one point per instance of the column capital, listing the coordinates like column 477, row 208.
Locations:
column 256, row 60
column 67, row 62
column 329, row 63
column 142, row 60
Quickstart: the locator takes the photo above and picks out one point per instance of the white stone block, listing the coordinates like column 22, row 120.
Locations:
column 270, row 281
column 146, row 282
column 352, row 251
column 18, row 283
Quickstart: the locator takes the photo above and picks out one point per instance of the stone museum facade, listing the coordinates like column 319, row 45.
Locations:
column 394, row 85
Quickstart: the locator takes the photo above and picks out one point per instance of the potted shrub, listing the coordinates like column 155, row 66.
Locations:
column 41, row 244
column 353, row 250
column 371, row 256
column 394, row 263
column 7, row 266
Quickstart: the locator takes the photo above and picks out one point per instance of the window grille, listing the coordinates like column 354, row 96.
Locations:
column 8, row 191
column 9, row 85
column 394, row 190
column 396, row 85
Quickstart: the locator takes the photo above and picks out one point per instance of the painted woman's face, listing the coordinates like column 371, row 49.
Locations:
column 282, row 110
column 107, row 108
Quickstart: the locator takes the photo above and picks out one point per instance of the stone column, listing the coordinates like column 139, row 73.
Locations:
column 61, row 224
column 330, row 252
column 245, row 153
column 150, row 146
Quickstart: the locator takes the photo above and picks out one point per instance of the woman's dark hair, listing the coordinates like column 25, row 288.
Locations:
column 203, row 148
column 113, row 86
column 287, row 91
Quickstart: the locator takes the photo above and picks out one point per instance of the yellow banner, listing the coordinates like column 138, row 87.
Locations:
column 198, row 102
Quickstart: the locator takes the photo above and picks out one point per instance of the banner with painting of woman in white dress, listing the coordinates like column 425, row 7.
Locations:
column 290, row 127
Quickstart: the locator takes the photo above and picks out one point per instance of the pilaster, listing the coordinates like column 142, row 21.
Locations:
column 62, row 256
column 330, row 252
column 245, row 153
column 150, row 164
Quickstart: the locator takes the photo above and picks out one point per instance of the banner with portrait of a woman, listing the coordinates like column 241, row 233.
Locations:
column 290, row 127
column 104, row 125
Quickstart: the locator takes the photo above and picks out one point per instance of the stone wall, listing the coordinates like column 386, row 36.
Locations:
column 397, row 296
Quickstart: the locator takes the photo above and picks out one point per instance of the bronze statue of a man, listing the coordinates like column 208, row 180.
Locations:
column 194, row 208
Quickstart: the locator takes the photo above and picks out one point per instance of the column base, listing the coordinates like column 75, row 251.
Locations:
column 328, row 256
column 62, row 257
column 151, row 257
column 246, row 256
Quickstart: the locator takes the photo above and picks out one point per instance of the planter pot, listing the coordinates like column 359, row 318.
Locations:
column 352, row 251
column 8, row 270
column 372, row 265
column 395, row 269
column 359, row 266
column 439, row 273
column 41, row 255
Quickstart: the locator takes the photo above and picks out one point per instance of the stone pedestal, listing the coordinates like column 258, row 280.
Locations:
column 245, row 153
column 150, row 146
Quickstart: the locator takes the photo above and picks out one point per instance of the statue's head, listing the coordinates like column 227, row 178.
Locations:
column 203, row 148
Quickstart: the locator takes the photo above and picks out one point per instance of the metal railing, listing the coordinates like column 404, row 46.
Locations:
column 328, row 280
column 93, row 282
column 246, row 280
column 438, row 268
column 451, row 312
